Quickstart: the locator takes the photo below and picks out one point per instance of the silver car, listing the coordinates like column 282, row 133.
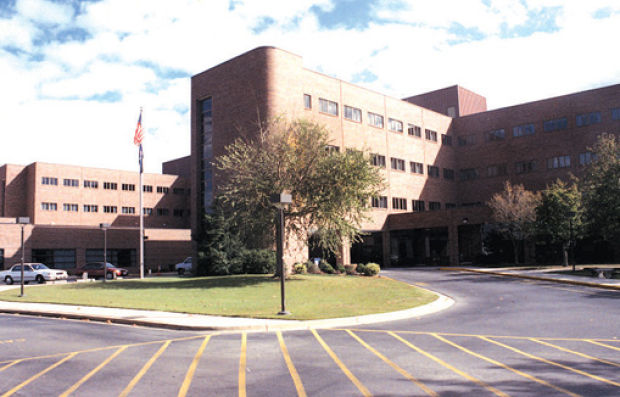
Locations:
column 32, row 272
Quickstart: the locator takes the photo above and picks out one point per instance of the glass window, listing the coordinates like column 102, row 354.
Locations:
column 558, row 162
column 523, row 130
column 307, row 101
column 91, row 184
column 524, row 167
column 497, row 170
column 162, row 189
column 376, row 120
column 55, row 258
column 128, row 187
column 586, row 158
column 586, row 119
column 615, row 114
column 329, row 107
column 379, row 202
column 446, row 140
column 430, row 135
column 109, row 209
column 414, row 130
column 49, row 206
column 1, row 258
column 434, row 205
column 496, row 135
column 399, row 203
column 110, row 185
column 433, row 171
column 555, row 125
column 71, row 182
column 468, row 174
column 397, row 164
column 48, row 180
column 163, row 212
column 395, row 125
column 353, row 114
column 448, row 174
column 416, row 168
column 147, row 211
column 377, row 160
column 467, row 140
column 70, row 207
column 147, row 188
column 417, row 205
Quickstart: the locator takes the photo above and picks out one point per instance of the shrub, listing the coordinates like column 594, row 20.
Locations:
column 326, row 267
column 340, row 268
column 361, row 268
column 258, row 261
column 350, row 269
column 371, row 269
column 312, row 268
column 300, row 268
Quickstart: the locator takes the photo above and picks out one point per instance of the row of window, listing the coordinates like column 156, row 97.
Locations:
column 112, row 209
column 414, row 167
column 400, row 203
column 130, row 187
column 374, row 119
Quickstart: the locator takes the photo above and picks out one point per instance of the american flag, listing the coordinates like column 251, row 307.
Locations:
column 139, row 135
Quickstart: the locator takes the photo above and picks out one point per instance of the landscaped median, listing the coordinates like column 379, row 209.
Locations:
column 308, row 297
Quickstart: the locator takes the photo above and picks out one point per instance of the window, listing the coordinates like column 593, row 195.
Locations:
column 495, row 135
column 558, row 162
column 147, row 188
column 450, row 206
column 432, row 171
column 48, row 180
column 71, row 182
column 55, row 258
column 91, row 184
column 524, row 167
column 307, row 101
column 446, row 140
column 119, row 257
column 329, row 107
column 379, row 202
column 451, row 111
column 615, row 114
column 414, row 130
column 90, row 208
column 163, row 212
column 377, row 160
column 467, row 140
column 434, row 205
column 70, row 207
column 147, row 211
column 353, row 114
column 555, row 125
column 497, row 170
column 399, row 203
column 448, row 174
column 586, row 158
column 177, row 212
column 416, row 168
column 332, row 149
column 110, row 185
column 376, row 120
column 468, row 174
column 109, row 209
column 395, row 125
column 430, row 135
column 417, row 205
column 397, row 164
column 178, row 190
column 523, row 130
column 128, row 210
column 588, row 119
column 1, row 258
column 49, row 206
column 162, row 189
column 128, row 187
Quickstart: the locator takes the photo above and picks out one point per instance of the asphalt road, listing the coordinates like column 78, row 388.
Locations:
column 504, row 337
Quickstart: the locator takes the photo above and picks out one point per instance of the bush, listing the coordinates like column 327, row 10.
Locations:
column 258, row 261
column 300, row 268
column 371, row 269
column 312, row 268
column 326, row 267
column 350, row 269
column 340, row 268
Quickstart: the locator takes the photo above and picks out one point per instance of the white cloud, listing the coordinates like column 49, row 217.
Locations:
column 43, row 11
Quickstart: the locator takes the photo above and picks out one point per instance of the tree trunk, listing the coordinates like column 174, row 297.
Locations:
column 515, row 248
column 565, row 253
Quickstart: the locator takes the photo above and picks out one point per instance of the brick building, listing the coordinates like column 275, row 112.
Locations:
column 66, row 204
column 442, row 153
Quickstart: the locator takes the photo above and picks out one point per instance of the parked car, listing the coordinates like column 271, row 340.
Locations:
column 96, row 269
column 32, row 272
column 184, row 267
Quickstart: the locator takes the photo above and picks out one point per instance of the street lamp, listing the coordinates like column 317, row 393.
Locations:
column 571, row 215
column 281, row 201
column 105, row 227
column 23, row 221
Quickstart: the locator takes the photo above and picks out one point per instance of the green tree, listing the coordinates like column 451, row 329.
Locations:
column 558, row 216
column 331, row 190
column 601, row 191
column 514, row 211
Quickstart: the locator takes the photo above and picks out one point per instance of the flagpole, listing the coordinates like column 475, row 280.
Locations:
column 141, row 158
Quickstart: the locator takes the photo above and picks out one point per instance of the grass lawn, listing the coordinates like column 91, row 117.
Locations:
column 308, row 297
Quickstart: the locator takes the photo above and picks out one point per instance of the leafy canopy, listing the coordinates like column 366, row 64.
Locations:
column 559, row 211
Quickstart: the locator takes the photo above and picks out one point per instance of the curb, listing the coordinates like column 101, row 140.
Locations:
column 523, row 276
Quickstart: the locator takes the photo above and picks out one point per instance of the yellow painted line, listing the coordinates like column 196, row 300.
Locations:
column 450, row 367
column 360, row 386
column 143, row 370
column 46, row 370
column 602, row 344
column 94, row 371
column 615, row 364
column 8, row 341
column 242, row 364
column 291, row 368
column 499, row 364
column 10, row 365
column 192, row 368
column 395, row 366
column 544, row 360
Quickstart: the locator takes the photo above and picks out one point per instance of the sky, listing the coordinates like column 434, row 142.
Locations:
column 74, row 73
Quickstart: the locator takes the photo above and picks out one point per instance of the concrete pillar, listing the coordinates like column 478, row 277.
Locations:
column 344, row 257
column 386, row 248
column 453, row 244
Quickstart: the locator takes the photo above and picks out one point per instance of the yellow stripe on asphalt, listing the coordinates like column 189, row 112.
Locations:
column 394, row 365
column 192, row 368
column 602, row 344
column 10, row 364
column 143, row 370
column 242, row 364
column 450, row 367
column 499, row 364
column 46, row 370
column 94, row 371
column 343, row 367
column 544, row 360
column 615, row 364
column 291, row 368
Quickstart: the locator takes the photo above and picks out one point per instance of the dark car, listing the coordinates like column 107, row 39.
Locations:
column 96, row 269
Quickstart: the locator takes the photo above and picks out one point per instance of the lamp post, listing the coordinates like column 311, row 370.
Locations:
column 105, row 227
column 571, row 215
column 22, row 221
column 281, row 201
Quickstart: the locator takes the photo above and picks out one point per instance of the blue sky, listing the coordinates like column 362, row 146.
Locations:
column 74, row 73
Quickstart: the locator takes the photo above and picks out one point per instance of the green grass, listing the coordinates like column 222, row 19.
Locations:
column 258, row 296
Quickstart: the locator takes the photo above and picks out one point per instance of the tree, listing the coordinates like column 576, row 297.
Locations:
column 514, row 211
column 601, row 191
column 331, row 190
column 558, row 216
